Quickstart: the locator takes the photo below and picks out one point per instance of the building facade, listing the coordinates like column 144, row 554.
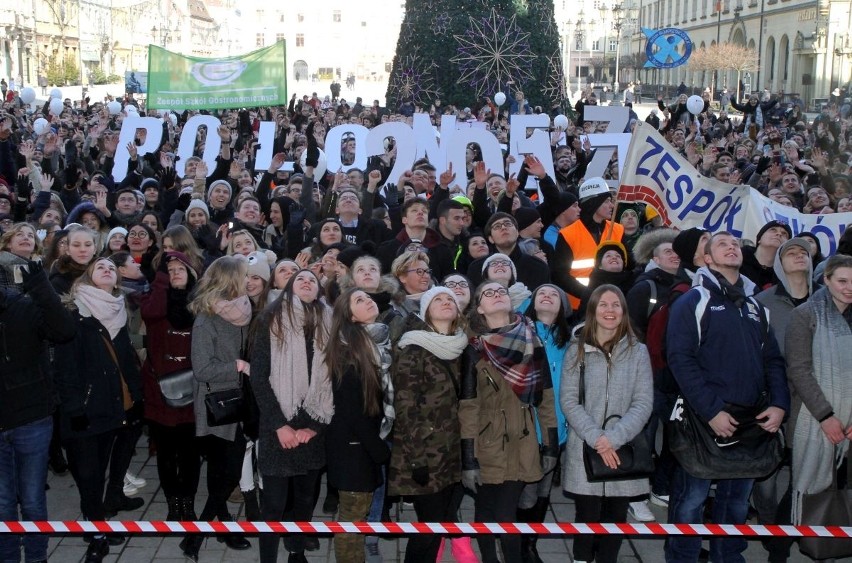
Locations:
column 332, row 41
column 803, row 46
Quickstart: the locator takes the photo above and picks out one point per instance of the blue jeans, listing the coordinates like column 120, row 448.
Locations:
column 686, row 506
column 23, row 474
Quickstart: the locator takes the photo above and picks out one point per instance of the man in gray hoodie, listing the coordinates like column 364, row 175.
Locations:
column 794, row 270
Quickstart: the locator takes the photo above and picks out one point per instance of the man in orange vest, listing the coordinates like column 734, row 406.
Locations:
column 574, row 256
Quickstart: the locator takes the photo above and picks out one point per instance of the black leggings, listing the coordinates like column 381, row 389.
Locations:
column 499, row 503
column 275, row 491
column 122, row 454
column 436, row 507
column 603, row 549
column 224, row 467
column 178, row 458
column 88, row 458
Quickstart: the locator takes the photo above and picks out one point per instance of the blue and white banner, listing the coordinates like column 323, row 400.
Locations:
column 658, row 175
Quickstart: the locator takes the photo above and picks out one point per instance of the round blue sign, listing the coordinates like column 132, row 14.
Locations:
column 662, row 48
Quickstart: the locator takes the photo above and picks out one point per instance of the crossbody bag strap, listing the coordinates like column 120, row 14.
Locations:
column 127, row 400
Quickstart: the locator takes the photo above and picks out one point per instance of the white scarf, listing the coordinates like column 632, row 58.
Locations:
column 288, row 374
column 444, row 346
column 102, row 305
column 518, row 293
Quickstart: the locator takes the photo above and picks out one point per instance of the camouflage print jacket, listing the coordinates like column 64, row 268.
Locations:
column 426, row 429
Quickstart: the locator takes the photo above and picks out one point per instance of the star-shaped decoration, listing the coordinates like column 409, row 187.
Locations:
column 492, row 51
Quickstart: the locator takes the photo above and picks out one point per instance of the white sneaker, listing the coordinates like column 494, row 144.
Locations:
column 129, row 488
column 660, row 500
column 135, row 480
column 640, row 511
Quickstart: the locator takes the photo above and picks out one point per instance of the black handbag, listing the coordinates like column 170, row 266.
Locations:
column 751, row 453
column 832, row 507
column 176, row 388
column 229, row 406
column 634, row 456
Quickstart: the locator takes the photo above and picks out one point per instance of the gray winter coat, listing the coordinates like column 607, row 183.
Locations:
column 216, row 347
column 631, row 395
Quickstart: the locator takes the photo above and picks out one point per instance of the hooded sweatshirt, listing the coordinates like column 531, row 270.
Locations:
column 777, row 299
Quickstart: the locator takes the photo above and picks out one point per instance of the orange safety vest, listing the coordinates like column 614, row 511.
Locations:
column 584, row 248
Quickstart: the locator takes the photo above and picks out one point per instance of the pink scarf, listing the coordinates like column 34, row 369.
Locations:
column 107, row 308
column 237, row 312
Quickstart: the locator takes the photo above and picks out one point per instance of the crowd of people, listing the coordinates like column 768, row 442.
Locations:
column 416, row 338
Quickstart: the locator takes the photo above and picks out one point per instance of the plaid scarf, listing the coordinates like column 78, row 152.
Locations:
column 517, row 353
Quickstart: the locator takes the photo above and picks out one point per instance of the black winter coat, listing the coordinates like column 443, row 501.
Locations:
column 354, row 451
column 27, row 322
column 89, row 381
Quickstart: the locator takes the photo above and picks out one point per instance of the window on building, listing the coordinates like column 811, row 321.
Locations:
column 300, row 40
column 578, row 44
column 363, row 24
column 300, row 18
column 613, row 45
column 258, row 41
column 279, row 37
column 281, row 18
column 336, row 17
column 596, row 45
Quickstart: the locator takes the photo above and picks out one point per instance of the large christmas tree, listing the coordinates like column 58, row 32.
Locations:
column 461, row 50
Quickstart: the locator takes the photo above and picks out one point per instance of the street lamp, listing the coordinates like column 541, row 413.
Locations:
column 623, row 16
column 567, row 27
column 578, row 37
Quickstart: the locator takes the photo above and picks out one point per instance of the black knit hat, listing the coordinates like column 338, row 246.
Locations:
column 563, row 202
column 686, row 243
column 526, row 216
column 349, row 254
column 769, row 225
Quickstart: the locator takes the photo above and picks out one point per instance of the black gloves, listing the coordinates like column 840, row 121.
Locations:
column 392, row 195
column 80, row 423
column 183, row 201
column 32, row 273
column 135, row 413
column 312, row 156
column 420, row 475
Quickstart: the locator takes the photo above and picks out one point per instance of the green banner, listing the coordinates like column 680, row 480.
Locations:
column 179, row 82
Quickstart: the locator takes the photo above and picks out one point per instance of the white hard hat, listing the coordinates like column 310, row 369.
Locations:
column 593, row 187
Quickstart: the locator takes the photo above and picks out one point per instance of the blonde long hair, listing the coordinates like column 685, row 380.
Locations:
column 225, row 279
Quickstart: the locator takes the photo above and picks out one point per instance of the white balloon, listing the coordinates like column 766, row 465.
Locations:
column 499, row 98
column 695, row 104
column 561, row 122
column 28, row 95
column 40, row 126
column 56, row 93
column 319, row 169
column 56, row 106
column 114, row 107
column 131, row 111
column 173, row 119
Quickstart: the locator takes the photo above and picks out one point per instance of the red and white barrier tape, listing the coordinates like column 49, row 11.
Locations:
column 408, row 528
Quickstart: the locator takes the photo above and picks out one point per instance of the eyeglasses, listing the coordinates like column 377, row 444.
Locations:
column 137, row 234
column 420, row 271
column 453, row 285
column 348, row 198
column 489, row 293
column 502, row 225
column 499, row 263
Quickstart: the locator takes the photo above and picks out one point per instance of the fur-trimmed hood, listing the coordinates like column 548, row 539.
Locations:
column 643, row 250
